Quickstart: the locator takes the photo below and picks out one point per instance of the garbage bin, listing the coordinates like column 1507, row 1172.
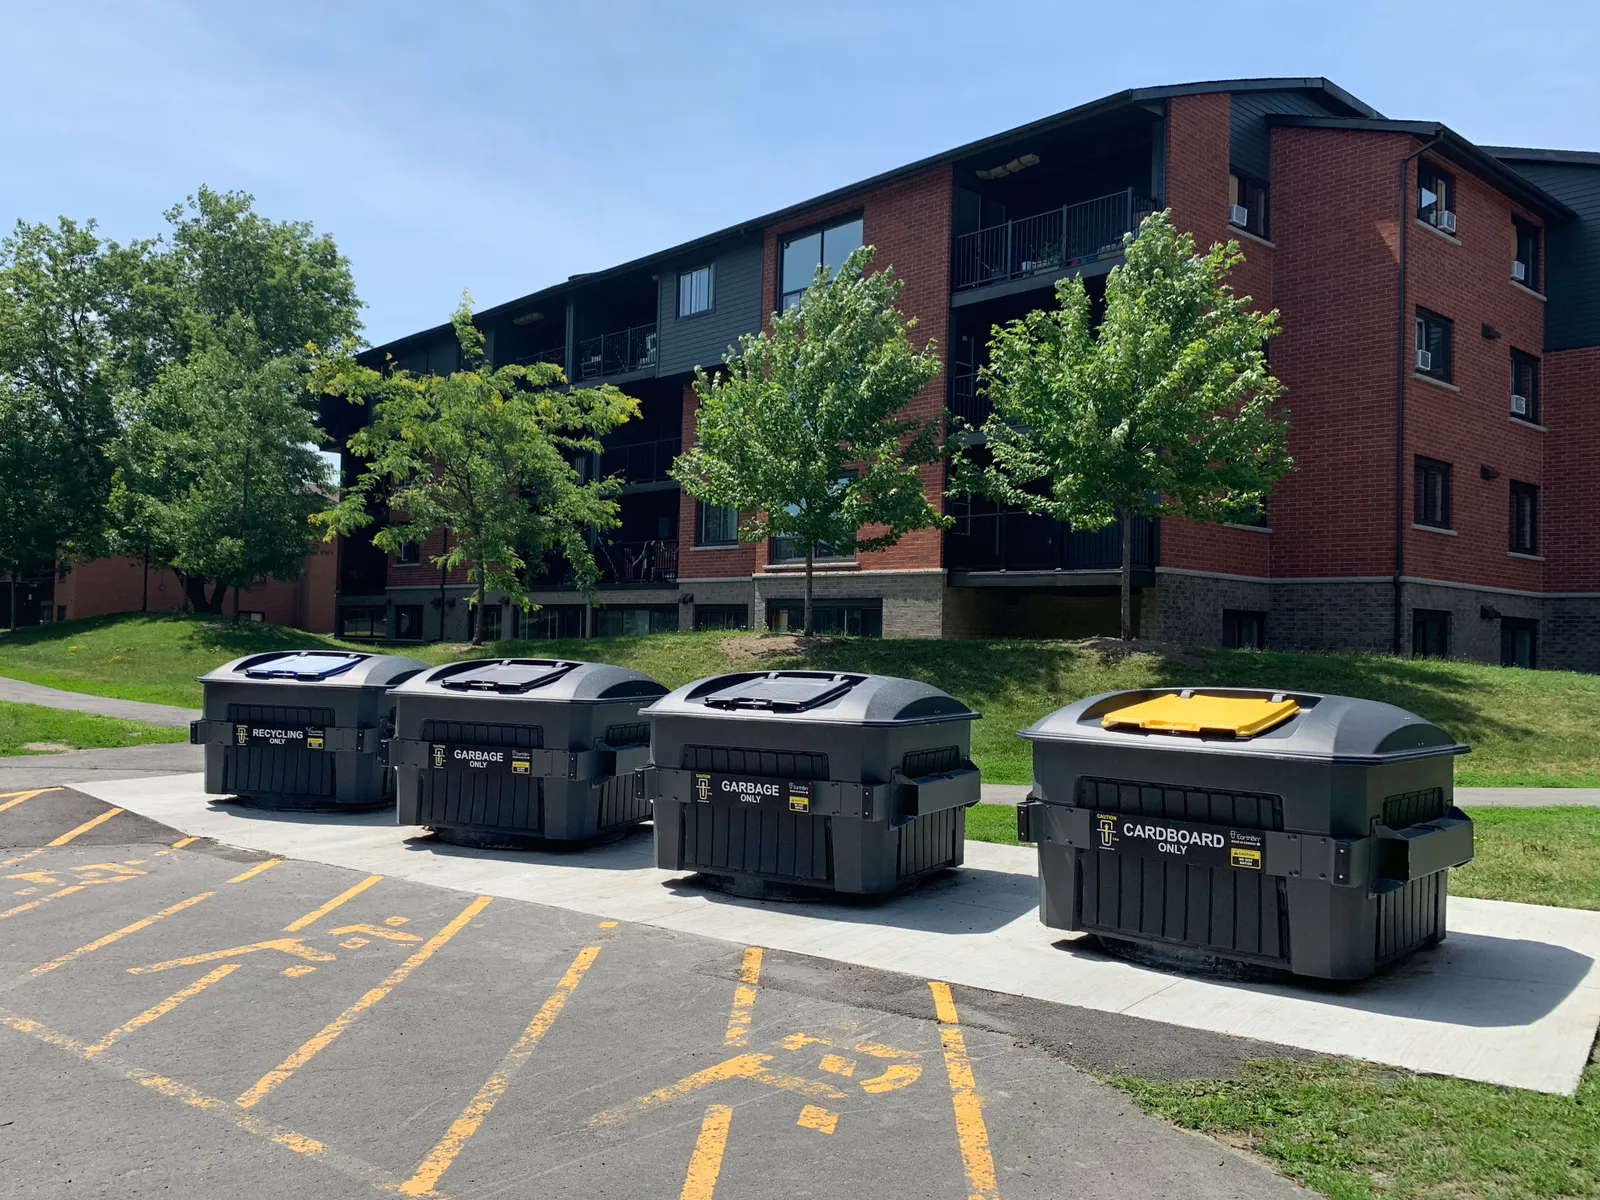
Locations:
column 512, row 752
column 1290, row 830
column 300, row 729
column 781, row 783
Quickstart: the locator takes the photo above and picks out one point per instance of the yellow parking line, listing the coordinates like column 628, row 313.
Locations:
column 183, row 841
column 157, row 1011
column 98, row 943
column 84, row 828
column 255, row 870
column 258, row 1090
column 316, row 914
column 971, row 1132
column 16, row 798
column 705, row 1164
column 744, row 998
column 438, row 1160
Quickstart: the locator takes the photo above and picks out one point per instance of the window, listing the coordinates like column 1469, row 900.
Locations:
column 1244, row 628
column 1430, row 633
column 722, row 616
column 785, row 549
column 1247, row 204
column 409, row 554
column 1525, row 254
column 1519, row 642
column 554, row 621
column 636, row 622
column 1436, row 194
column 1431, row 502
column 1524, row 518
column 694, row 291
column 716, row 525
column 1524, row 387
column 408, row 622
column 803, row 254
column 852, row 618
column 363, row 623
column 491, row 617
column 1435, row 335
column 244, row 615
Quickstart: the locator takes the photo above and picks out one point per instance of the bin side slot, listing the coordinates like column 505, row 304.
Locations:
column 1424, row 849
column 739, row 760
column 935, row 793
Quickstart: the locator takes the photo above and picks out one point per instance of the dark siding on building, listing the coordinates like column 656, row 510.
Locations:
column 1248, row 134
column 1572, row 253
column 736, row 309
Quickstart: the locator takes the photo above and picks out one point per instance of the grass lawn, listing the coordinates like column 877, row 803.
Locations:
column 1354, row 1131
column 51, row 729
column 1526, row 728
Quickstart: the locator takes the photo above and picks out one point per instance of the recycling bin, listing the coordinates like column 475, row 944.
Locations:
column 1290, row 830
column 515, row 752
column 300, row 729
column 785, row 784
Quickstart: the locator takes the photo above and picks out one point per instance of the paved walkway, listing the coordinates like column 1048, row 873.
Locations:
column 1466, row 797
column 17, row 692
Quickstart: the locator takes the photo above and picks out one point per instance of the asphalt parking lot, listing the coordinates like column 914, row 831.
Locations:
column 185, row 1019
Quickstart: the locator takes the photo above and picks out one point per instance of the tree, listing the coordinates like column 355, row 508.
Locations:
column 485, row 454
column 1167, row 407
column 63, row 294
column 219, row 470
column 803, row 428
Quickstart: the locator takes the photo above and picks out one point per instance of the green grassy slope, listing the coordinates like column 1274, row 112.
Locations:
column 50, row 729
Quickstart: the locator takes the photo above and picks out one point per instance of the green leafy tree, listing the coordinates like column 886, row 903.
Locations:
column 803, row 429
column 1165, row 407
column 485, row 454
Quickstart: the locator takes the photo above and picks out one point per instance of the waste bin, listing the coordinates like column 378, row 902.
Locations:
column 513, row 752
column 1303, row 832
column 300, row 729
column 783, row 783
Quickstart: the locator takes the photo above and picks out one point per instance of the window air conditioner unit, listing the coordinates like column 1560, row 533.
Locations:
column 1519, row 270
column 1424, row 361
column 1239, row 215
column 1519, row 405
column 1447, row 220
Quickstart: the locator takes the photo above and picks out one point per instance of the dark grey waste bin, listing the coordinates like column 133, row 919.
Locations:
column 768, row 782
column 300, row 729
column 512, row 752
column 1296, row 831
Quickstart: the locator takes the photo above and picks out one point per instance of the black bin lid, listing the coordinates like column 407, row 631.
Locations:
column 783, row 691
column 306, row 666
column 511, row 676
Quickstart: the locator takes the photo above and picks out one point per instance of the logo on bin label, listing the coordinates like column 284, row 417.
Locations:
column 245, row 734
column 745, row 789
column 480, row 758
column 1203, row 845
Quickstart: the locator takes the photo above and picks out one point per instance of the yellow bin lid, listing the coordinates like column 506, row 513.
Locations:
column 1187, row 712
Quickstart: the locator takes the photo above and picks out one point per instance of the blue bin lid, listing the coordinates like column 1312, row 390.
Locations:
column 306, row 666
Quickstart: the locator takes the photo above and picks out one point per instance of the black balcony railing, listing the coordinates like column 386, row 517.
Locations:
column 617, row 353
column 1050, row 242
column 1016, row 541
column 650, row 562
column 967, row 400
column 555, row 355
column 641, row 462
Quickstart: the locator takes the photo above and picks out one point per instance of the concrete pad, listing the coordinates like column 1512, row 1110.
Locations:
column 1512, row 998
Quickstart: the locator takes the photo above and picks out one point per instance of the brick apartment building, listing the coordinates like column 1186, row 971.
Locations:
column 1440, row 310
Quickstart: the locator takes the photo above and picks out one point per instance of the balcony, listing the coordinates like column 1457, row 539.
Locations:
column 641, row 462
column 619, row 353
column 652, row 563
column 554, row 355
column 1050, row 243
column 1021, row 542
column 966, row 401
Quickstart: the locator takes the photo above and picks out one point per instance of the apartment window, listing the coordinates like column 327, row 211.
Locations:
column 554, row 621
column 408, row 622
column 722, row 616
column 1247, row 204
column 246, row 614
column 1525, row 254
column 490, row 615
column 1245, row 628
column 1524, row 387
column 1524, row 518
column 1519, row 642
column 804, row 253
column 852, row 618
column 1431, row 502
column 409, row 554
column 1436, row 194
column 636, row 622
column 716, row 525
column 694, row 291
column 1435, row 337
column 365, row 623
column 1430, row 633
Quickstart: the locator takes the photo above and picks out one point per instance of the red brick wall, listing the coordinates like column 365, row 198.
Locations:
column 1569, row 533
column 116, row 585
column 703, row 564
column 1469, row 282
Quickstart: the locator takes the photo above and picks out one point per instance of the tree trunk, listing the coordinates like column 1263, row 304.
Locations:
column 444, row 577
column 236, row 604
column 218, row 595
column 477, row 626
column 144, row 596
column 811, row 551
column 1126, row 518
column 13, row 623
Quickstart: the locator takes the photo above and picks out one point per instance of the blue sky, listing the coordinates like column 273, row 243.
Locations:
column 503, row 146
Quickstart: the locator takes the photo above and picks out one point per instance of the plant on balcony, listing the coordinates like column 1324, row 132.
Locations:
column 804, row 428
column 484, row 454
column 1165, row 408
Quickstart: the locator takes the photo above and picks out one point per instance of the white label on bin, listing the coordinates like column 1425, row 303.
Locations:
column 496, row 759
column 1160, row 837
column 306, row 737
column 710, row 788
